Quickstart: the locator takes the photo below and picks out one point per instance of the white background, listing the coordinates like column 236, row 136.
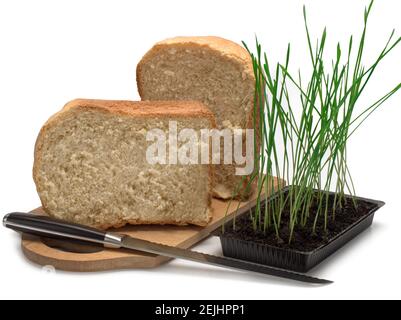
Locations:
column 55, row 51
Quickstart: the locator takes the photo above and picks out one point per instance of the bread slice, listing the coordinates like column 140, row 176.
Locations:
column 91, row 167
column 212, row 70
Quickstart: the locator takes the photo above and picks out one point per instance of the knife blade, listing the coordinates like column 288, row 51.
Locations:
column 54, row 228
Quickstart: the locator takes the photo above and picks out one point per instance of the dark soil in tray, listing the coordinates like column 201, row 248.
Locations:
column 303, row 240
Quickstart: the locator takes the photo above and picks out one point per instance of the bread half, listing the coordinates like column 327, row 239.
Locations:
column 215, row 71
column 91, row 165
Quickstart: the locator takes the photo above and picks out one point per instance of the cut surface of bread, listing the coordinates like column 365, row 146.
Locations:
column 215, row 71
column 91, row 166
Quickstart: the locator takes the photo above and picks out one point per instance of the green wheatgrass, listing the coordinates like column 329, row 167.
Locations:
column 308, row 149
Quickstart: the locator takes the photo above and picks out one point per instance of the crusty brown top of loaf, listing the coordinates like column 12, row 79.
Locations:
column 166, row 109
column 225, row 47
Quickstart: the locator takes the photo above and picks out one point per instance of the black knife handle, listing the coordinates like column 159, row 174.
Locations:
column 54, row 228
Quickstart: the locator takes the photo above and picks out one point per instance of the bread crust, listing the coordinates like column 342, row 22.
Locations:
column 225, row 48
column 166, row 109
column 146, row 109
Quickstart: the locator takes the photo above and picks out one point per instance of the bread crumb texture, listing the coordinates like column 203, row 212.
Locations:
column 91, row 167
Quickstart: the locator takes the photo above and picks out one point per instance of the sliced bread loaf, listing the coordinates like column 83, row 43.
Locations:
column 91, row 165
column 212, row 70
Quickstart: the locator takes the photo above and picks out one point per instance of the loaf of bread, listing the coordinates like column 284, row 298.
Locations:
column 91, row 165
column 212, row 70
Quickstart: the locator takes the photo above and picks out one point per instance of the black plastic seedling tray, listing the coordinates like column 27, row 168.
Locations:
column 292, row 259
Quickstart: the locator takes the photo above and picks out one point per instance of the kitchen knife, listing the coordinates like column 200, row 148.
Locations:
column 53, row 228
